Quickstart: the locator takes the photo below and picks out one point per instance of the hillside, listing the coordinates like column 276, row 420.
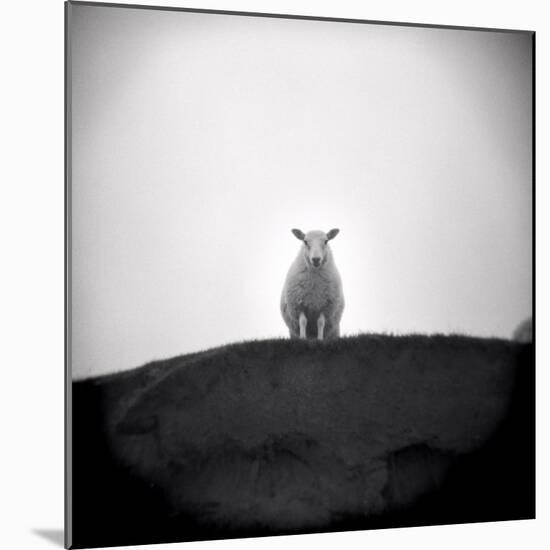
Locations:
column 281, row 436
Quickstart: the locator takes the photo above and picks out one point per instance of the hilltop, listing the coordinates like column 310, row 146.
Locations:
column 282, row 436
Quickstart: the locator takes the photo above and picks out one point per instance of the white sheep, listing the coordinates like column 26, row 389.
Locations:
column 312, row 301
column 524, row 331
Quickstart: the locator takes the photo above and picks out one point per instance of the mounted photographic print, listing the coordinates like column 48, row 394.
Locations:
column 299, row 275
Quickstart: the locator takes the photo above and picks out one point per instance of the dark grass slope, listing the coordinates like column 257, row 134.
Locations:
column 284, row 436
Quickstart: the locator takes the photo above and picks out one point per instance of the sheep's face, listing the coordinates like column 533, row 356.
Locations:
column 315, row 248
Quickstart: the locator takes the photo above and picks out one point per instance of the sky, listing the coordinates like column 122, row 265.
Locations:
column 198, row 141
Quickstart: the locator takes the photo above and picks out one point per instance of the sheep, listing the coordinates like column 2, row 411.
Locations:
column 312, row 301
column 524, row 332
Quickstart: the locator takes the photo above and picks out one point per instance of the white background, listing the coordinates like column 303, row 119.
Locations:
column 32, row 271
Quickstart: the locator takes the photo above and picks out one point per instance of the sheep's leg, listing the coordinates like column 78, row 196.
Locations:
column 321, row 326
column 302, row 320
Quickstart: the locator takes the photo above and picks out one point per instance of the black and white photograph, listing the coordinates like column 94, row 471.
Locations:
column 300, row 275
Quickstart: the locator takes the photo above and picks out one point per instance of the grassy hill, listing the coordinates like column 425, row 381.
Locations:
column 281, row 436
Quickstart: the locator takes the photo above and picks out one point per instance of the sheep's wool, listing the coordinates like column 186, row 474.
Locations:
column 313, row 291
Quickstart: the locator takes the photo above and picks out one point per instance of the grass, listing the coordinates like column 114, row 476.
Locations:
column 280, row 436
column 349, row 343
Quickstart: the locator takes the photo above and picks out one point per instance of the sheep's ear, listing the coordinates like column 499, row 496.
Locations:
column 298, row 234
column 332, row 233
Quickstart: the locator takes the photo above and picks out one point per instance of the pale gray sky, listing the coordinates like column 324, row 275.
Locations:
column 199, row 140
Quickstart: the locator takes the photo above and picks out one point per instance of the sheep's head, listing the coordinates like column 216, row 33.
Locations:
column 315, row 248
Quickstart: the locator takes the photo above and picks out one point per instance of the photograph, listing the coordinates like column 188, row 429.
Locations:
column 299, row 274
